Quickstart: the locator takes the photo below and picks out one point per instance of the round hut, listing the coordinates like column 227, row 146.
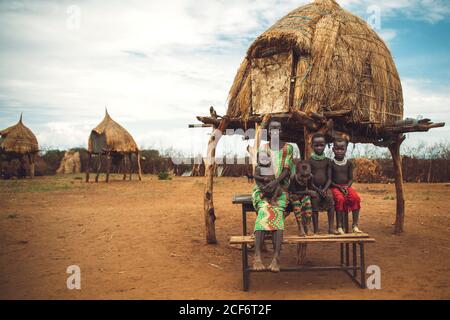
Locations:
column 318, row 69
column 19, row 142
column 112, row 143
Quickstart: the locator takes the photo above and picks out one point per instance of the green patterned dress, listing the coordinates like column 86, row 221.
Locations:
column 271, row 216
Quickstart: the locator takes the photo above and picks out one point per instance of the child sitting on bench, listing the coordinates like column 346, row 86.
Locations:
column 300, row 199
column 345, row 197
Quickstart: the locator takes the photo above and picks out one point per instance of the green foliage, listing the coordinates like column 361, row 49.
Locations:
column 164, row 175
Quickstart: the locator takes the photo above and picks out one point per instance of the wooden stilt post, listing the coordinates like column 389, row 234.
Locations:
column 88, row 168
column 124, row 166
column 130, row 169
column 108, row 166
column 99, row 166
column 138, row 158
column 394, row 148
column 210, row 216
column 307, row 143
column 31, row 161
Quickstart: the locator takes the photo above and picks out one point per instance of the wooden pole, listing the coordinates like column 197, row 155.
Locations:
column 307, row 143
column 208, row 203
column 124, row 166
column 31, row 161
column 138, row 156
column 99, row 166
column 88, row 166
column 394, row 148
column 108, row 166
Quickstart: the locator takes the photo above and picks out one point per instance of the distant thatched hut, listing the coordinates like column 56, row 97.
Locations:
column 111, row 140
column 19, row 142
column 318, row 69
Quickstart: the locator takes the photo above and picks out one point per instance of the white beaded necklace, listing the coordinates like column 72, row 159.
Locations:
column 341, row 163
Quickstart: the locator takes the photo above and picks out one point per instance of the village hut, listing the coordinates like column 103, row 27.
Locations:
column 318, row 69
column 19, row 142
column 109, row 140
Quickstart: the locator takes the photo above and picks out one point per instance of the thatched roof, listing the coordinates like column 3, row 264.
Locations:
column 338, row 63
column 117, row 138
column 18, row 139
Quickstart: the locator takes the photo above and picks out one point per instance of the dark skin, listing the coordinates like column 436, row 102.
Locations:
column 274, row 134
column 321, row 182
column 263, row 176
column 300, row 187
column 321, row 170
column 343, row 175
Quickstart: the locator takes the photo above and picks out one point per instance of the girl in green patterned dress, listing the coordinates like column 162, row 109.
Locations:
column 270, row 212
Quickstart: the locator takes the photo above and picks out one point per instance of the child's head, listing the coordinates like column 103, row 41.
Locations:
column 303, row 173
column 340, row 148
column 318, row 143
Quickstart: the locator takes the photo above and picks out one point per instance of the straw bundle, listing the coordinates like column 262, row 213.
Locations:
column 337, row 62
column 18, row 139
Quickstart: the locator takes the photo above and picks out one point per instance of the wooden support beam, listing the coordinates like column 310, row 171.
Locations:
column 208, row 203
column 31, row 157
column 202, row 125
column 108, row 166
column 88, row 168
column 412, row 128
column 138, row 155
column 394, row 148
column 99, row 166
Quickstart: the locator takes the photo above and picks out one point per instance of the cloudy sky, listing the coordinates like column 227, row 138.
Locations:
column 156, row 64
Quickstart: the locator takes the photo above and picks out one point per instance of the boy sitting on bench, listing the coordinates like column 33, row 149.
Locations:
column 321, row 196
column 300, row 198
column 345, row 197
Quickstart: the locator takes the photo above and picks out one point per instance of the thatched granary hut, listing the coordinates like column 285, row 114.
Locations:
column 113, row 142
column 318, row 69
column 19, row 142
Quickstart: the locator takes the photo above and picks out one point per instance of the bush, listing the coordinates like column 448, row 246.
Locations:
column 164, row 175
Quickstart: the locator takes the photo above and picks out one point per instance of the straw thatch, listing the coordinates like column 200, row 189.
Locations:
column 337, row 62
column 109, row 136
column 18, row 139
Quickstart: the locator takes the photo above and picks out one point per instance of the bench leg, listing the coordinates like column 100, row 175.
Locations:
column 342, row 254
column 362, row 265
column 354, row 259
column 245, row 272
column 347, row 245
column 244, row 221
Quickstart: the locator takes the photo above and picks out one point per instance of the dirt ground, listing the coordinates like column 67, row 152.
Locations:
column 145, row 240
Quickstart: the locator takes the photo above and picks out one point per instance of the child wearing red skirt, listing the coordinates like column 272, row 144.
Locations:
column 345, row 197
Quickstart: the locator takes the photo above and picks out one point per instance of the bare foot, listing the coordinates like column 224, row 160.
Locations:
column 356, row 230
column 309, row 233
column 332, row 231
column 274, row 266
column 341, row 231
column 258, row 265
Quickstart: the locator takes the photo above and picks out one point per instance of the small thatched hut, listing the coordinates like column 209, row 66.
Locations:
column 318, row 69
column 19, row 142
column 110, row 140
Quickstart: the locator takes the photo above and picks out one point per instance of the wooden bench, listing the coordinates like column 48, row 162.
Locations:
column 346, row 240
